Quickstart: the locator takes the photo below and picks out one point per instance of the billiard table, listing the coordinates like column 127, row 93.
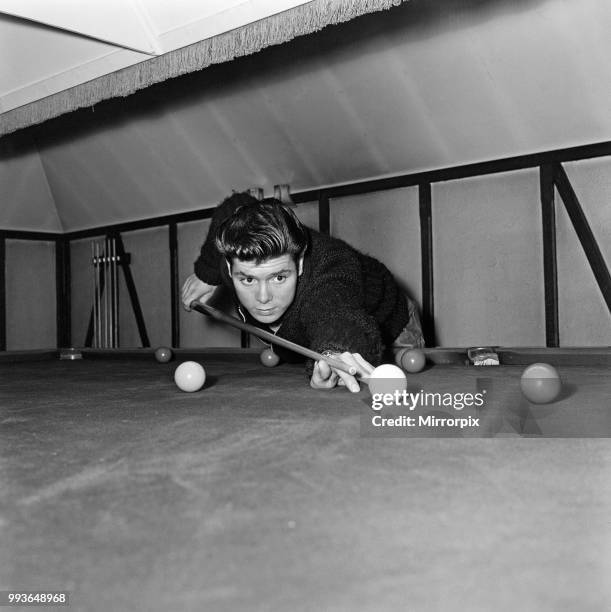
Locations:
column 260, row 493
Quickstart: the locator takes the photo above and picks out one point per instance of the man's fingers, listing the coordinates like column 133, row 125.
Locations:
column 324, row 369
column 187, row 298
column 364, row 367
column 349, row 381
column 322, row 376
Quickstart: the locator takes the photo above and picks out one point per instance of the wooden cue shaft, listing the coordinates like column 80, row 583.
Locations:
column 106, row 296
column 115, row 296
column 115, row 254
column 95, row 298
column 98, row 278
column 261, row 333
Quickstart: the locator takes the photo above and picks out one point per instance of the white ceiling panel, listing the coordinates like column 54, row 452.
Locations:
column 37, row 61
column 118, row 22
column 49, row 46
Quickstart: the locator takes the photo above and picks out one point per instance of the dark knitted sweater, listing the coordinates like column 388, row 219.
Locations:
column 344, row 301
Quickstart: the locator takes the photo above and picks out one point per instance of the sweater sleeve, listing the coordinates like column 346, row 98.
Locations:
column 207, row 266
column 334, row 317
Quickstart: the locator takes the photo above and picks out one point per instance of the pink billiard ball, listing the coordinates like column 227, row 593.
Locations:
column 163, row 354
column 190, row 376
column 540, row 383
column 413, row 360
column 268, row 358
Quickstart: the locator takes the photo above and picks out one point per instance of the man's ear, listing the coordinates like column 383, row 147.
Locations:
column 300, row 264
column 228, row 264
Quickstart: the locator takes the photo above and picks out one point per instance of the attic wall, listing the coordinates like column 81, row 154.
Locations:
column 487, row 264
column 488, row 254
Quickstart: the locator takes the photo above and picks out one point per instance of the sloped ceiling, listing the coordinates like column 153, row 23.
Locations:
column 51, row 45
column 425, row 85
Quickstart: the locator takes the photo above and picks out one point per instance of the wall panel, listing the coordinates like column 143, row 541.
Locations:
column 30, row 295
column 488, row 261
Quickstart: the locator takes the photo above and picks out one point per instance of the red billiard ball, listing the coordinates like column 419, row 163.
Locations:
column 163, row 354
column 413, row 360
column 268, row 358
column 540, row 383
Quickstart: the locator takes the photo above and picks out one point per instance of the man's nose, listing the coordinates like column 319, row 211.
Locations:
column 263, row 294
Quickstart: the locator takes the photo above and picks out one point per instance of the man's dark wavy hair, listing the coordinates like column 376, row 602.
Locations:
column 261, row 230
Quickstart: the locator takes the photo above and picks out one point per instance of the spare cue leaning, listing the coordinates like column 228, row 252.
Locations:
column 265, row 335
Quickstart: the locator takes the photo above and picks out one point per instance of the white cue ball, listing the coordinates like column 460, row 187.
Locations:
column 387, row 378
column 190, row 376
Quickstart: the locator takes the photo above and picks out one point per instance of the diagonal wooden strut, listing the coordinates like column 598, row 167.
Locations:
column 584, row 233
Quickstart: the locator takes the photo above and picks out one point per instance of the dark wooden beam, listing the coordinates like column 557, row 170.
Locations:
column 62, row 293
column 324, row 213
column 426, row 260
column 550, row 271
column 174, row 285
column 584, row 233
column 27, row 235
column 130, row 226
column 99, row 283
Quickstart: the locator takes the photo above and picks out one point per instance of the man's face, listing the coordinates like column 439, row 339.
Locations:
column 266, row 289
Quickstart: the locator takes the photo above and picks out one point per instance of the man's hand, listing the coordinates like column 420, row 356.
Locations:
column 195, row 289
column 326, row 377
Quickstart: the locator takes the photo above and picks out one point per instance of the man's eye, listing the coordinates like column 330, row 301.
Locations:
column 247, row 280
column 280, row 278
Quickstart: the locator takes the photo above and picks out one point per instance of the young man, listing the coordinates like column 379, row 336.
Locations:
column 304, row 286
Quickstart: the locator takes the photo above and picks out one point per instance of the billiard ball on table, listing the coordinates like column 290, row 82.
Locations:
column 163, row 354
column 268, row 358
column 540, row 383
column 190, row 376
column 387, row 378
column 411, row 360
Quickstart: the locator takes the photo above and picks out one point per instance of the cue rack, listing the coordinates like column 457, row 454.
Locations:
column 104, row 260
column 108, row 257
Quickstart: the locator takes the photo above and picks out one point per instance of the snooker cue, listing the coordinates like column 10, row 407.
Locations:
column 98, row 317
column 261, row 333
column 106, row 295
column 95, row 297
column 115, row 297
